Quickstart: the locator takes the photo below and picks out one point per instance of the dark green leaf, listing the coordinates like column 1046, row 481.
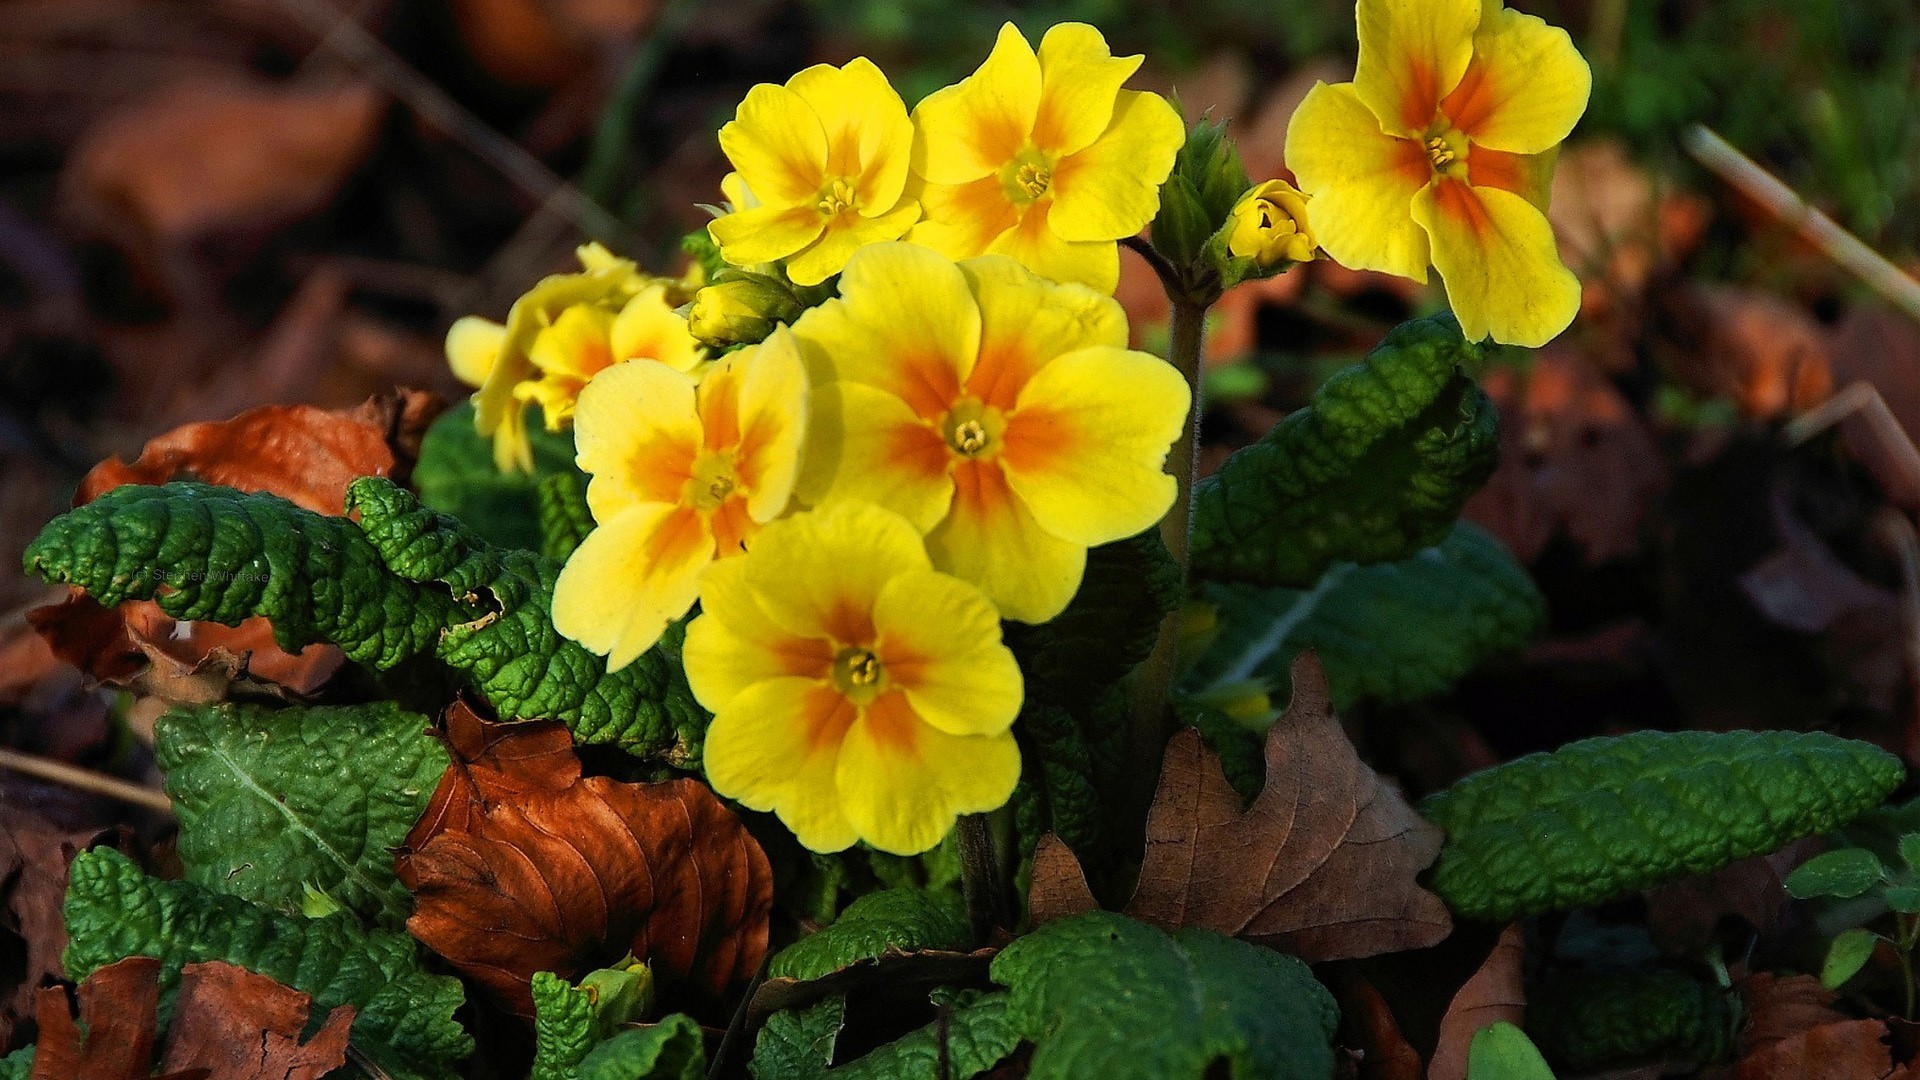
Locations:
column 672, row 1049
column 1501, row 1051
column 1846, row 956
column 565, row 520
column 1590, row 1022
column 1845, row 873
column 902, row 920
column 457, row 475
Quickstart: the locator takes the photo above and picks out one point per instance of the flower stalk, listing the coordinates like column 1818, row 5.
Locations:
column 989, row 900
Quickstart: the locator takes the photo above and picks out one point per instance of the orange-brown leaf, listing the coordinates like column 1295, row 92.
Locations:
column 119, row 1004
column 1058, row 885
column 241, row 1026
column 1321, row 865
column 1494, row 993
column 520, row 866
column 1780, row 1007
column 1848, row 1050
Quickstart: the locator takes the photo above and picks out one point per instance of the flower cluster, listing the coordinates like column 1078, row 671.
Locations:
column 915, row 411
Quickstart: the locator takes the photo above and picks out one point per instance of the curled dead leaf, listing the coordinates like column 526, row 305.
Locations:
column 34, row 856
column 1778, row 1007
column 1494, row 993
column 119, row 1006
column 237, row 1025
column 521, row 865
column 1848, row 1050
column 1766, row 355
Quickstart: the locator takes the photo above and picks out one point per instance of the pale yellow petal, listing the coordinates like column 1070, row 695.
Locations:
column 1079, row 79
column 1086, row 447
column 869, row 138
column 818, row 574
column 630, row 577
column 904, row 323
column 1111, row 189
column 844, row 235
column 777, row 145
column 766, row 233
column 1496, row 254
column 733, row 645
column 649, row 327
column 991, row 539
column 772, row 425
column 1362, row 182
column 939, row 642
column 963, row 220
column 473, row 346
column 1027, row 320
column 577, row 344
column 1033, row 244
column 1412, row 54
column 972, row 128
column 635, row 430
column 867, row 444
column 1526, row 88
column 777, row 747
column 903, row 782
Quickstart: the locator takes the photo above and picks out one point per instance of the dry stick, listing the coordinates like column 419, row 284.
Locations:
column 72, row 776
column 341, row 34
column 1718, row 155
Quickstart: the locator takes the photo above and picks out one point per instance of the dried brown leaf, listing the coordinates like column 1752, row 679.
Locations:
column 1058, row 886
column 1779, row 1007
column 1321, row 865
column 1494, row 993
column 241, row 1026
column 1766, row 355
column 1848, row 1050
column 34, row 856
column 119, row 1004
column 521, row 865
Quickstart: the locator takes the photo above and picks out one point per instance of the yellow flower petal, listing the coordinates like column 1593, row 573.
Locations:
column 990, row 538
column 777, row 747
column 1496, row 253
column 577, row 344
column 914, row 333
column 630, row 577
column 777, row 145
column 636, row 431
column 818, row 574
column 1035, row 245
column 1525, row 89
column 1412, row 53
column 614, row 281
column 903, row 782
column 772, row 424
column 1027, row 320
column 845, row 235
column 766, row 233
column 512, row 448
column 1111, row 189
column 869, row 137
column 1086, row 447
column 962, row 691
column 867, row 444
column 1362, row 182
column 1079, row 78
column 473, row 346
column 738, row 195
column 648, row 327
column 1529, row 176
column 972, row 128
column 733, row 645
column 963, row 220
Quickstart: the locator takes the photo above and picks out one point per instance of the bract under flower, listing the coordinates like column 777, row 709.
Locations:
column 682, row 475
column 1441, row 150
column 1043, row 157
column 999, row 412
column 857, row 693
column 820, row 170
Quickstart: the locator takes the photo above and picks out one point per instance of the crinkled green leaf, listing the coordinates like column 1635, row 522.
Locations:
column 1603, row 817
column 570, row 1020
column 1374, row 469
column 404, row 581
column 17, row 1065
column 1588, row 1022
column 274, row 801
column 1395, row 631
column 404, row 1017
column 456, row 474
column 1102, row 995
column 216, row 555
column 799, row 1044
column 672, row 1049
column 565, row 519
column 892, row 920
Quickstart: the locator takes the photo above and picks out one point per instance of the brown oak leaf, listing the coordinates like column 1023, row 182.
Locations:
column 241, row 1026
column 34, row 856
column 1848, row 1050
column 522, row 865
column 1494, row 993
column 1778, row 1007
column 1321, row 865
column 303, row 454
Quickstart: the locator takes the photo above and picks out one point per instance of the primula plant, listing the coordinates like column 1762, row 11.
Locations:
column 827, row 658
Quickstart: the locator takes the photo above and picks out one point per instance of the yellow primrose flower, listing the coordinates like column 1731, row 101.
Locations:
column 821, row 169
column 857, row 693
column 1441, row 150
column 588, row 338
column 999, row 412
column 1043, row 157
column 681, row 475
column 1270, row 226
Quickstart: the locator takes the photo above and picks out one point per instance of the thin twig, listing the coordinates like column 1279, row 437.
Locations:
column 368, row 1065
column 58, row 772
column 1718, row 155
column 1169, row 276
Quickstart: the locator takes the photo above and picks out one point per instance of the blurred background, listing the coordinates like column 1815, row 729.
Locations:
column 207, row 205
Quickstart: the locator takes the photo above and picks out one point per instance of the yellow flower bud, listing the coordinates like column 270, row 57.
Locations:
column 739, row 312
column 1270, row 226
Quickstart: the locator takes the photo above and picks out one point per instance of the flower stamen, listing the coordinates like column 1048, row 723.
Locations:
column 857, row 673
column 837, row 198
column 1439, row 153
column 970, row 438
